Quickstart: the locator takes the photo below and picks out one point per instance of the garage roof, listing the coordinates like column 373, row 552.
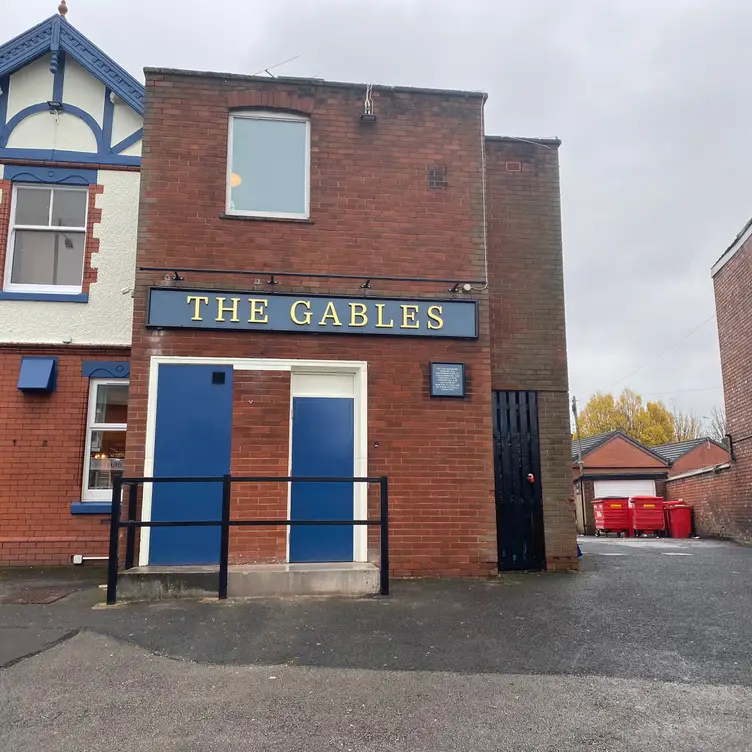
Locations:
column 672, row 452
column 590, row 443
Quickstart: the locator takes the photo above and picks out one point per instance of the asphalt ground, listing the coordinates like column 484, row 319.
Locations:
column 648, row 647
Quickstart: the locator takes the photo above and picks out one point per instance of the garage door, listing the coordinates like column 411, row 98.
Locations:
column 631, row 487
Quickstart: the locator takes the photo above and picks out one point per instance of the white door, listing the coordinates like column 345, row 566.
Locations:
column 630, row 487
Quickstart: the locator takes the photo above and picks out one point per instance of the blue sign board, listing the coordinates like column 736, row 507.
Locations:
column 447, row 379
column 172, row 308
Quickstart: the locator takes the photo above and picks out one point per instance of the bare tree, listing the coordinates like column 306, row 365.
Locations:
column 716, row 424
column 686, row 425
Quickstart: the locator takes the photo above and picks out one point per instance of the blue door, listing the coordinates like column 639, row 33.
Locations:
column 322, row 446
column 192, row 438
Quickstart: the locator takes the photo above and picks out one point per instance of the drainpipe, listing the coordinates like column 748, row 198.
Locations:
column 580, row 464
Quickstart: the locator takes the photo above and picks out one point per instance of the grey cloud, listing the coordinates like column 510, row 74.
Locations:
column 650, row 99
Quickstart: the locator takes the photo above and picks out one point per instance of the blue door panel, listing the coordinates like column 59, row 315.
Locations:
column 192, row 439
column 322, row 445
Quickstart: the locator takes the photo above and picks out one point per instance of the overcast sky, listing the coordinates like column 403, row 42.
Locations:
column 651, row 99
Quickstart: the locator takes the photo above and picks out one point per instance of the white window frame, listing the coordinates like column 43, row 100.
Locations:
column 103, row 494
column 9, row 286
column 262, row 115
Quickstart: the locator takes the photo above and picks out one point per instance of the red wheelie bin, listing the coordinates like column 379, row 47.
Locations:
column 611, row 515
column 647, row 515
column 678, row 519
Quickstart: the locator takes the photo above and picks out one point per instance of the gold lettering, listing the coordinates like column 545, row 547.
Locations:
column 380, row 318
column 294, row 312
column 358, row 311
column 408, row 315
column 330, row 313
column 258, row 311
column 197, row 300
column 222, row 309
column 435, row 313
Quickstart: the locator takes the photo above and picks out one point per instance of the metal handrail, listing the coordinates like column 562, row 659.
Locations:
column 131, row 524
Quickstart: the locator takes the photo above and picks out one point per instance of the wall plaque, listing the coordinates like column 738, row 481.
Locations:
column 447, row 379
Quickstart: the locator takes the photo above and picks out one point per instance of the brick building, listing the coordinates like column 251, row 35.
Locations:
column 70, row 133
column 331, row 287
column 613, row 464
column 732, row 281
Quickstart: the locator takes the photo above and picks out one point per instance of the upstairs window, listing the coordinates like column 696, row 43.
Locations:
column 47, row 239
column 268, row 165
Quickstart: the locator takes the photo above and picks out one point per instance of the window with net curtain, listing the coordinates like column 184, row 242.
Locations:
column 268, row 171
column 47, row 239
column 105, row 437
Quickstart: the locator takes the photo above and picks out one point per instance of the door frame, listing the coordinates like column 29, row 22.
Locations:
column 360, row 490
column 359, row 369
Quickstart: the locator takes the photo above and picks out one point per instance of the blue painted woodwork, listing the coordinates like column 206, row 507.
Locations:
column 106, row 369
column 4, row 87
column 322, row 445
column 69, row 109
column 192, row 438
column 59, row 155
column 37, row 374
column 134, row 138
column 56, row 175
column 58, row 70
column 46, row 297
column 91, row 507
column 56, row 35
column 108, row 115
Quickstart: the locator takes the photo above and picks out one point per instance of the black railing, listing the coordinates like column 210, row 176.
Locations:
column 225, row 522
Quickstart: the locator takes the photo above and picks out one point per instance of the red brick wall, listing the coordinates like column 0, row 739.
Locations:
column 733, row 291
column 711, row 496
column 527, row 314
column 260, row 446
column 42, row 440
column 704, row 455
column 374, row 211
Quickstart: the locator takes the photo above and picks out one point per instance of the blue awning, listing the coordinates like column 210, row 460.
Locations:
column 37, row 375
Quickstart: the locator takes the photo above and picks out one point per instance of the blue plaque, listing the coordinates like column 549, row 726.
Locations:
column 447, row 379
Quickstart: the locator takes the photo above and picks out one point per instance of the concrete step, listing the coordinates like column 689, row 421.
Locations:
column 249, row 580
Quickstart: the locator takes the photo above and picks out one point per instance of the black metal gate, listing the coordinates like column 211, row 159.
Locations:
column 519, row 502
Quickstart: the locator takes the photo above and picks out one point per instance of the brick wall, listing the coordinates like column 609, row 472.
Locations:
column 260, row 446
column 376, row 209
column 527, row 314
column 733, row 291
column 711, row 495
column 42, row 439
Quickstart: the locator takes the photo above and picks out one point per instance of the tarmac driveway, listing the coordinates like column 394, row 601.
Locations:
column 647, row 648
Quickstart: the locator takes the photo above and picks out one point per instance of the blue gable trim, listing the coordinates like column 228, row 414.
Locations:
column 46, row 297
column 106, row 369
column 55, row 175
column 82, row 157
column 107, row 118
column 57, row 66
column 44, row 107
column 26, row 47
column 91, row 507
column 55, row 35
column 5, row 86
column 134, row 138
